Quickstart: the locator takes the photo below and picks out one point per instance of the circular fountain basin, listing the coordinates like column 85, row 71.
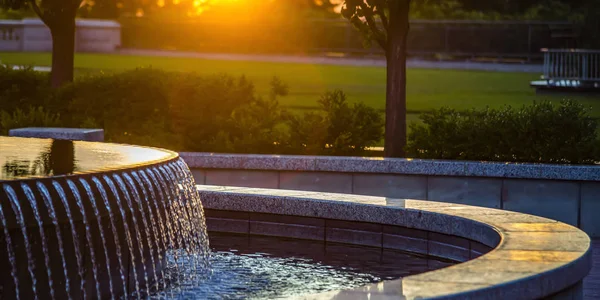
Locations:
column 94, row 220
column 500, row 254
column 87, row 220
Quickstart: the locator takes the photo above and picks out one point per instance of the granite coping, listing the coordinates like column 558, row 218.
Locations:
column 533, row 257
column 380, row 165
column 77, row 134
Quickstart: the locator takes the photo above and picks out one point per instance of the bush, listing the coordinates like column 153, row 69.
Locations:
column 340, row 129
column 23, row 89
column 33, row 117
column 540, row 133
column 219, row 113
column 132, row 106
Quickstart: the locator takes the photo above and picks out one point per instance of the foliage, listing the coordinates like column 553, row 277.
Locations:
column 210, row 113
column 340, row 129
column 444, row 10
column 127, row 105
column 22, row 88
column 222, row 113
column 47, row 10
column 454, row 88
column 540, row 133
column 370, row 18
column 590, row 24
column 32, row 117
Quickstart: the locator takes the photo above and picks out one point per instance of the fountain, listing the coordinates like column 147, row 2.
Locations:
column 83, row 220
column 91, row 220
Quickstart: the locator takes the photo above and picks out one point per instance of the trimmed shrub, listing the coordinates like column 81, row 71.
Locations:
column 340, row 129
column 33, row 117
column 218, row 113
column 538, row 133
column 23, row 89
column 132, row 106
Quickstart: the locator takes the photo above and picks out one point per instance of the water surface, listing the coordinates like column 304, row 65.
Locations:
column 30, row 157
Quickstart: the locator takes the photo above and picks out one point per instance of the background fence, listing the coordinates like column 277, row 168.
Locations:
column 427, row 38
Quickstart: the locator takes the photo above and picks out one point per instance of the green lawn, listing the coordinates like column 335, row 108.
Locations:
column 426, row 88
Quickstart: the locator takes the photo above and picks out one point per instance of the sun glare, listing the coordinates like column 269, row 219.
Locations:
column 226, row 9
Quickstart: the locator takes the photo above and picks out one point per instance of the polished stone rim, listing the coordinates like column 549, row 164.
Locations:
column 379, row 165
column 533, row 257
column 169, row 156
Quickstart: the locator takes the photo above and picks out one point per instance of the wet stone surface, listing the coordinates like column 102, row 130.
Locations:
column 533, row 257
column 22, row 158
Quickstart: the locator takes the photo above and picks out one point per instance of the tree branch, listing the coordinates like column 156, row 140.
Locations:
column 379, row 37
column 384, row 20
column 77, row 4
column 38, row 11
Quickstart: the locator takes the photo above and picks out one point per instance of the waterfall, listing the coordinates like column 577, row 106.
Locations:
column 16, row 206
column 159, row 245
column 32, row 201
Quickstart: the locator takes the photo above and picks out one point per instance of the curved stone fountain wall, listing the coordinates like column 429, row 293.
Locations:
column 503, row 254
column 89, row 220
column 567, row 193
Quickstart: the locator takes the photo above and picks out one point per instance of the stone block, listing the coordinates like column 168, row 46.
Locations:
column 558, row 200
column 226, row 214
column 227, row 225
column 362, row 226
column 405, row 231
column 199, row 175
column 485, row 192
column 287, row 219
column 75, row 134
column 590, row 208
column 404, row 243
column 393, row 186
column 242, row 178
column 288, row 230
column 354, row 237
column 449, row 247
column 316, row 181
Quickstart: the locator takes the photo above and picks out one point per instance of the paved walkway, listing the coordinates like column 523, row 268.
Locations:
column 591, row 284
column 343, row 61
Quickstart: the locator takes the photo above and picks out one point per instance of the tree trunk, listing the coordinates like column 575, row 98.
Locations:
column 395, row 107
column 63, row 51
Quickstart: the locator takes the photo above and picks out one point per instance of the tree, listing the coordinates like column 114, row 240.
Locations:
column 59, row 16
column 386, row 23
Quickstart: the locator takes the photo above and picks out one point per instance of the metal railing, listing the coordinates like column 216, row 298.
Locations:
column 571, row 65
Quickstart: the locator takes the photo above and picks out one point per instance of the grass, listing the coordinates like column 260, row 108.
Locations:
column 427, row 88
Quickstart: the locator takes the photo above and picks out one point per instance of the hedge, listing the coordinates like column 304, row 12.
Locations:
column 222, row 113
column 539, row 133
column 188, row 112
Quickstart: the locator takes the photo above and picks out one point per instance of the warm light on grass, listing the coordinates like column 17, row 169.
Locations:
column 426, row 88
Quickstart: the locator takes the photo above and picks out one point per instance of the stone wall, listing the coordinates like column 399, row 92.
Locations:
column 570, row 194
column 32, row 35
column 532, row 257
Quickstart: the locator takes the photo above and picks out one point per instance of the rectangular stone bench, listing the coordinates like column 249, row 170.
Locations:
column 76, row 134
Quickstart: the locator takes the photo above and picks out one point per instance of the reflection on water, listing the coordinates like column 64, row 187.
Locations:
column 257, row 267
column 57, row 159
column 30, row 157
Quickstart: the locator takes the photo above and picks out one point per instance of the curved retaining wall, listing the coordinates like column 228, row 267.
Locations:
column 570, row 194
column 531, row 257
